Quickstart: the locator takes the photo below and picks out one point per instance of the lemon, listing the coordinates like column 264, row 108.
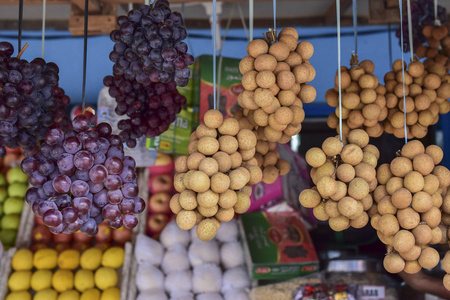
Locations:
column 113, row 257
column 22, row 295
column 19, row 281
column 91, row 294
column 45, row 259
column 22, row 260
column 41, row 280
column 47, row 294
column 105, row 278
column 84, row 280
column 91, row 259
column 69, row 259
column 111, row 294
column 69, row 295
column 62, row 280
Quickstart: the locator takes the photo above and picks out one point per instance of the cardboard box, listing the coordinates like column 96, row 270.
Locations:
column 228, row 81
column 277, row 245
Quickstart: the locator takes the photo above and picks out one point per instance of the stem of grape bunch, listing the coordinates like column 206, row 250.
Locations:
column 22, row 50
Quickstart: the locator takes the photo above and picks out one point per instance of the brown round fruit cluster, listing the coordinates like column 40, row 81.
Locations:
column 275, row 78
column 438, row 48
column 345, row 177
column 407, row 207
column 214, row 181
column 363, row 100
column 265, row 155
column 426, row 91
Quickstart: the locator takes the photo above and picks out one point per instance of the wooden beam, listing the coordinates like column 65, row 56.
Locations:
column 379, row 12
column 330, row 15
column 34, row 2
column 94, row 6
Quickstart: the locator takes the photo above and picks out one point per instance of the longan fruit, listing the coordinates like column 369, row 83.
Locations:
column 443, row 175
column 385, row 206
column 429, row 258
column 227, row 199
column 194, row 159
column 181, row 164
column 225, row 214
column 186, row 219
column 298, row 115
column 341, row 191
column 432, row 217
column 339, row 223
column 394, row 184
column 206, row 230
column 393, row 263
column 415, row 68
column 270, row 174
column 265, row 79
column 423, row 163
column 213, row 118
column 236, row 160
column 422, row 234
column 356, row 72
column 358, row 137
column 274, row 124
column 246, row 64
column 207, row 199
column 379, row 193
column 224, row 161
column 208, row 145
column 209, row 166
column 418, row 131
column 242, row 204
column 284, row 115
column 188, row 200
column 412, row 267
column 438, row 200
column 387, row 240
column 350, row 100
column 315, row 157
column 262, row 147
column 228, row 144
column 291, row 130
column 327, row 186
column 368, row 66
column 230, row 126
column 349, row 207
column 432, row 81
column 368, row 96
column 294, row 59
column 305, row 49
column 308, row 93
column 301, row 73
column 283, row 166
column 246, row 100
column 286, row 80
column 192, row 147
column 401, row 198
column 208, row 211
column 257, row 47
column 440, row 235
column 425, row 118
column 174, row 204
column 345, row 172
column 247, row 190
column 388, row 225
column 198, row 217
column 370, row 158
column 202, row 131
column 249, row 80
column 263, row 97
column 404, row 241
column 272, row 107
column 332, row 146
column 365, row 171
column 199, row 182
column 279, row 50
column 289, row 40
column 238, row 179
column 446, row 262
column 412, row 254
column 414, row 181
column 265, row 62
column 178, row 182
column 360, row 221
column 320, row 213
column 351, row 154
column 255, row 174
column 309, row 198
column 327, row 169
column 400, row 166
column 374, row 220
column 384, row 173
column 332, row 98
column 435, row 152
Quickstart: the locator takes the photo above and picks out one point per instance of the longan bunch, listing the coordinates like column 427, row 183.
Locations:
column 408, row 211
column 363, row 100
column 427, row 90
column 344, row 178
column 266, row 155
column 437, row 49
column 275, row 76
column 214, row 181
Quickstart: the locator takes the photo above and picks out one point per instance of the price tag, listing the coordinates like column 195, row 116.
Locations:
column 373, row 292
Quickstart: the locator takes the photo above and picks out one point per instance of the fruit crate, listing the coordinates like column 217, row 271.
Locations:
column 123, row 272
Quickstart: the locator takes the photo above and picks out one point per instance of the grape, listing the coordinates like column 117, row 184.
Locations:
column 139, row 205
column 72, row 193
column 130, row 221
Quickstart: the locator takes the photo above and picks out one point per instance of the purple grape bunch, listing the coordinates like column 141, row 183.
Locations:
column 82, row 178
column 31, row 102
column 422, row 14
column 149, row 48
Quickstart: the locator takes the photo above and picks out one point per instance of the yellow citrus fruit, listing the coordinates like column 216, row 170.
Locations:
column 113, row 257
column 19, row 281
column 84, row 280
column 22, row 295
column 45, row 259
column 105, row 278
column 69, row 295
column 62, row 280
column 91, row 294
column 69, row 259
column 22, row 260
column 41, row 280
column 91, row 259
column 47, row 294
column 111, row 294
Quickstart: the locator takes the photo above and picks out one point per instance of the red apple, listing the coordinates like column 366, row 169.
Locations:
column 81, row 237
column 77, row 110
column 81, row 246
column 121, row 236
column 60, row 247
column 157, row 222
column 159, row 203
column 164, row 164
column 41, row 234
column 102, row 245
column 38, row 221
column 161, row 183
column 62, row 238
column 36, row 247
column 104, row 233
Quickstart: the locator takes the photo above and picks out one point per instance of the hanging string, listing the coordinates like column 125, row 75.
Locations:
column 214, row 52
column 390, row 43
column 410, row 33
column 403, row 66
column 241, row 15
column 338, row 20
column 147, row 2
column 86, row 15
column 275, row 15
column 44, row 8
column 20, row 24
column 355, row 26
column 250, row 19
column 437, row 22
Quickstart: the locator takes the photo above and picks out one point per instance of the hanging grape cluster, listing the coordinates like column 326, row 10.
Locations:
column 30, row 100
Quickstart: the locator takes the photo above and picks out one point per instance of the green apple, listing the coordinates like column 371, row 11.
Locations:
column 11, row 221
column 8, row 237
column 13, row 205
column 2, row 180
column 3, row 194
column 16, row 175
column 17, row 190
column 1, row 210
